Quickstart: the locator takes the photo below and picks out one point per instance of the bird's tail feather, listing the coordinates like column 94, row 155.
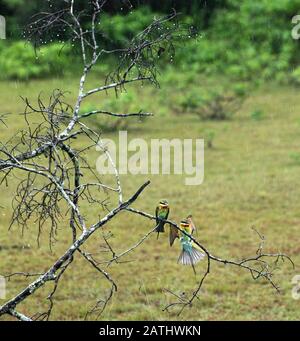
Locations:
column 190, row 258
column 160, row 227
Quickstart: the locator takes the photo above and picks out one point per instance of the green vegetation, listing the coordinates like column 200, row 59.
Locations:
column 257, row 114
column 214, row 105
column 249, row 40
column 19, row 60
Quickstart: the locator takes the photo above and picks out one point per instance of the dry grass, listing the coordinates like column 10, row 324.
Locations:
column 250, row 179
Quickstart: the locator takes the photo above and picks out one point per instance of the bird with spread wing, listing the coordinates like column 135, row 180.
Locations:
column 191, row 252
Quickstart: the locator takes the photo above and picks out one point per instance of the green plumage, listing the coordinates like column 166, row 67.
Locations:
column 191, row 253
column 161, row 212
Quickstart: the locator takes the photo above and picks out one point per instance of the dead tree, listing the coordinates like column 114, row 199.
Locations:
column 53, row 170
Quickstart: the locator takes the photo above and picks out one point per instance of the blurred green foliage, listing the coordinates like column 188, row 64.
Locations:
column 209, row 138
column 257, row 115
column 119, row 29
column 20, row 61
column 248, row 40
column 295, row 76
column 20, row 12
column 244, row 40
column 213, row 104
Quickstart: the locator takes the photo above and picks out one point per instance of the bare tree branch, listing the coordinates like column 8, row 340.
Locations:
column 263, row 270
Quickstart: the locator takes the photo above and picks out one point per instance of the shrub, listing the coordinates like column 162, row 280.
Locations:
column 257, row 115
column 215, row 105
column 119, row 29
column 295, row 76
column 248, row 40
column 210, row 136
column 19, row 60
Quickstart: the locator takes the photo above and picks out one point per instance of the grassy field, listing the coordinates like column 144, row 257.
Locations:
column 251, row 179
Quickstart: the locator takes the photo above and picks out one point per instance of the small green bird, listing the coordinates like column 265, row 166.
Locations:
column 174, row 232
column 191, row 252
column 161, row 212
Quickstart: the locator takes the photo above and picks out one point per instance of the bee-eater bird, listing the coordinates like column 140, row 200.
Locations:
column 191, row 252
column 161, row 212
column 174, row 232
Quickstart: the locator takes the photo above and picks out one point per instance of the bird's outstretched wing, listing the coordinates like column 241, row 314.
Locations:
column 192, row 225
column 174, row 233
